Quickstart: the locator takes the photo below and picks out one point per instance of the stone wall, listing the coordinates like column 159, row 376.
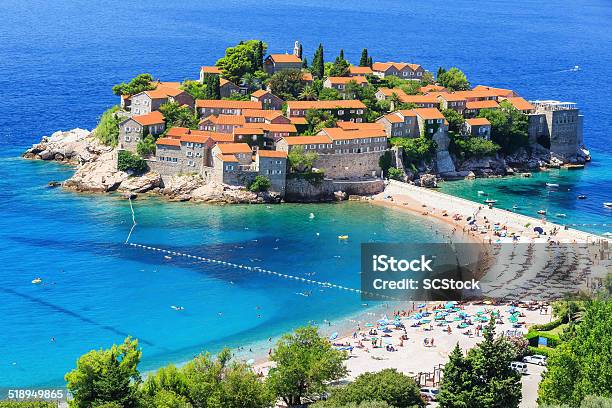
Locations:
column 300, row 190
column 349, row 165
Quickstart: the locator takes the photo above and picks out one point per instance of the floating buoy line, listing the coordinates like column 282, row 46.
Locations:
column 248, row 268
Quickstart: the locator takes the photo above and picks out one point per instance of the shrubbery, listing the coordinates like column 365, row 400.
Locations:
column 261, row 183
column 128, row 161
column 472, row 146
column 107, row 131
column 146, row 147
column 396, row 174
column 415, row 149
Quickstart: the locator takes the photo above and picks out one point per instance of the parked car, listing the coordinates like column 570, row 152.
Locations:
column 535, row 359
column 519, row 366
column 430, row 393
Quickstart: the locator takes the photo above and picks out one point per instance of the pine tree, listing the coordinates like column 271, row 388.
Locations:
column 363, row 61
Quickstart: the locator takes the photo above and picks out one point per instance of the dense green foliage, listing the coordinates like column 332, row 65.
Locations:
column 466, row 147
column 329, row 94
column 309, row 93
column 107, row 131
column 318, row 63
column 196, row 89
column 340, row 67
column 300, row 161
column 176, row 115
column 27, row 404
column 146, row 146
column 454, row 118
column 483, row 377
column 261, row 183
column 246, row 57
column 385, row 161
column 305, row 365
column 454, row 79
column 103, row 376
column 580, row 366
column 364, row 404
column 415, row 149
column 142, row 82
column 287, row 84
column 318, row 119
column 409, row 87
column 396, row 174
column 427, row 79
column 508, row 127
column 390, row 386
column 364, row 60
column 128, row 161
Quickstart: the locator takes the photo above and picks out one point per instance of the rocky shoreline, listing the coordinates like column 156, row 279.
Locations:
column 96, row 172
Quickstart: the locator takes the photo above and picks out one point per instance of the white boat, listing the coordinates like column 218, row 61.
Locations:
column 582, row 197
column 311, row 216
column 167, row 257
column 515, row 206
column 607, row 205
column 561, row 215
column 552, row 185
column 542, row 212
column 490, row 201
column 480, row 192
column 36, row 281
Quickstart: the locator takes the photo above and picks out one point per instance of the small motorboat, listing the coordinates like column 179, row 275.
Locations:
column 542, row 212
column 482, row 193
column 552, row 185
column 167, row 257
column 582, row 197
column 607, row 205
column 560, row 215
column 490, row 201
column 177, row 307
column 515, row 207
column 36, row 281
column 311, row 216
column 343, row 237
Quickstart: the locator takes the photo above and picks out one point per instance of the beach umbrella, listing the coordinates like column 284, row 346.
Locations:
column 334, row 336
column 539, row 230
column 421, row 305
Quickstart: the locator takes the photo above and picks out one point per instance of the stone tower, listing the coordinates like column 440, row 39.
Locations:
column 296, row 49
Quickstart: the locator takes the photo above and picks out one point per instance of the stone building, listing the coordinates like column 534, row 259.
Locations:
column 422, row 101
column 267, row 99
column 473, row 108
column 345, row 110
column 149, row 101
column 356, row 71
column 273, row 165
column 480, row 127
column 278, row 62
column 398, row 69
column 339, row 83
column 136, row 128
column 207, row 107
column 557, row 126
column 402, row 123
column 452, row 101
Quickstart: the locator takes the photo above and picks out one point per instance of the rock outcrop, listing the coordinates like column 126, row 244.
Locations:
column 428, row 180
column 76, row 146
column 98, row 176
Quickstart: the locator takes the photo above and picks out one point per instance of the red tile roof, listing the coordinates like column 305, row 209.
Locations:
column 487, row 104
column 359, row 126
column 210, row 70
column 432, row 88
column 271, row 153
column 227, row 104
column 232, row 148
column 360, row 80
column 429, row 113
column 166, row 141
column 248, row 131
column 383, row 66
column 339, row 104
column 175, row 132
column 152, row 118
column 520, row 103
column 341, row 134
column 259, row 93
column 227, row 157
column 360, row 70
column 284, row 58
column 498, row 91
column 478, row 122
column 225, row 119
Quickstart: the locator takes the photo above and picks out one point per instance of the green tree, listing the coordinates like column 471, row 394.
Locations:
column 287, row 84
column 580, row 366
column 196, row 89
column 340, row 67
column 305, row 364
column 259, row 184
column 483, row 378
column 454, row 79
column 106, row 376
column 385, row 161
column 352, row 90
column 364, row 60
column 427, row 79
column 329, row 94
column 318, row 119
column 142, row 82
column 128, row 161
column 305, row 63
column 318, row 63
column 441, row 71
column 416, row 149
column 146, row 146
column 472, row 146
column 299, row 53
column 250, row 82
column 107, row 130
column 364, row 404
column 176, row 115
column 508, row 127
column 396, row 174
column 300, row 161
column 309, row 93
column 454, row 118
column 242, row 58
column 390, row 386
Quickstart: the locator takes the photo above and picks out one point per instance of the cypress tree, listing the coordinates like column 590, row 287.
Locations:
column 318, row 63
column 216, row 87
column 363, row 61
column 305, row 63
column 341, row 56
column 259, row 57
column 440, row 72
column 370, row 62
column 299, row 51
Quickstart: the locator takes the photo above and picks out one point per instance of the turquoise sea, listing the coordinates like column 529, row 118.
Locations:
column 58, row 61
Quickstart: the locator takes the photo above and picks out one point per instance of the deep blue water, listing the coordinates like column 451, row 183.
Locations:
column 58, row 61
